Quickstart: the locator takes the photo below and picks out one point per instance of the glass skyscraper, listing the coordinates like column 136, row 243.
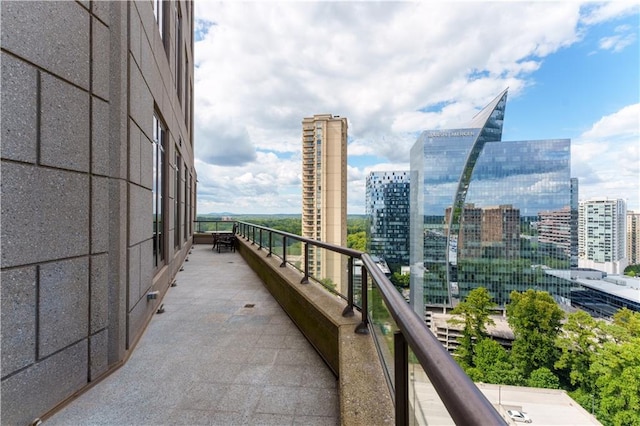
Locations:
column 387, row 210
column 488, row 213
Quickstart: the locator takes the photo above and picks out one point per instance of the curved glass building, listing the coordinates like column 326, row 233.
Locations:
column 489, row 213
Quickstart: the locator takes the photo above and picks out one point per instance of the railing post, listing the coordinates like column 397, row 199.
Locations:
column 401, row 366
column 260, row 242
column 348, row 310
column 363, row 327
column 253, row 232
column 305, row 279
column 270, row 243
column 284, row 252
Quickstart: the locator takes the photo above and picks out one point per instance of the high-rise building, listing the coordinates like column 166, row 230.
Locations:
column 387, row 210
column 633, row 238
column 554, row 227
column 602, row 235
column 324, row 193
column 476, row 203
column 98, row 187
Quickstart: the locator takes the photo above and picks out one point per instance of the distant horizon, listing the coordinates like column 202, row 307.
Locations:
column 262, row 214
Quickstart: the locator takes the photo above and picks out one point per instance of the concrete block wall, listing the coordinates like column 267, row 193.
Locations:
column 76, row 188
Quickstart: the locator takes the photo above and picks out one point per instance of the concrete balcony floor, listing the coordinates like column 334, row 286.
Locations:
column 212, row 359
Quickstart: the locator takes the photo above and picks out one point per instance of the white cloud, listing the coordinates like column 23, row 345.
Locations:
column 606, row 158
column 393, row 68
column 596, row 13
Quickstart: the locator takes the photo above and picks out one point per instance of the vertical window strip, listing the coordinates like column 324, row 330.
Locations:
column 176, row 201
column 159, row 138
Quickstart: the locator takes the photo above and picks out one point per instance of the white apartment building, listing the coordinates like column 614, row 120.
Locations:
column 324, row 193
column 602, row 235
column 633, row 238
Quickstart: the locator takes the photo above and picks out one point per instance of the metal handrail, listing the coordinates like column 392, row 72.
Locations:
column 466, row 404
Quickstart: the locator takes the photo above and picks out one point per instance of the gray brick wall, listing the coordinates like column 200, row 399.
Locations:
column 80, row 83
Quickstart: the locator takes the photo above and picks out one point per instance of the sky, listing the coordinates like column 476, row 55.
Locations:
column 395, row 69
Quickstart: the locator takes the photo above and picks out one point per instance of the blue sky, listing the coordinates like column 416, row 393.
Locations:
column 395, row 69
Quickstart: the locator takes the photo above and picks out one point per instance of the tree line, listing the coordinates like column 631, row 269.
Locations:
column 597, row 362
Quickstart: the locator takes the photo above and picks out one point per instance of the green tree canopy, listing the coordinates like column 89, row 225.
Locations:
column 492, row 364
column 543, row 378
column 580, row 337
column 400, row 280
column 475, row 311
column 535, row 319
column 357, row 241
column 617, row 372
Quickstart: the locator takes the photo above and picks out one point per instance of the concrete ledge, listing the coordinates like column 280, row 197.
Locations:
column 364, row 394
column 202, row 238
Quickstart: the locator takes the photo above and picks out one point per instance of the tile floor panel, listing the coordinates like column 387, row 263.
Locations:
column 211, row 359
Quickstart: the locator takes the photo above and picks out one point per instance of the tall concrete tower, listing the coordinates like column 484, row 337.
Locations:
column 324, row 193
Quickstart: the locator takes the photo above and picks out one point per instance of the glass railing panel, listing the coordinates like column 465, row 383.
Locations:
column 383, row 327
column 330, row 269
column 294, row 254
column 276, row 245
column 425, row 406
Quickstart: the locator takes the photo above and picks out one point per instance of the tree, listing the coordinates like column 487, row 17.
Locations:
column 492, row 364
column 617, row 373
column 357, row 241
column 578, row 341
column 475, row 311
column 535, row 319
column 400, row 280
column 543, row 378
column 635, row 269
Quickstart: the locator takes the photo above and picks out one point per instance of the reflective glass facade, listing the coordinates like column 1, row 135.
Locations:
column 387, row 210
column 488, row 213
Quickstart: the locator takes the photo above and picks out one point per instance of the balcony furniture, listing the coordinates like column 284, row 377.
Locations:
column 224, row 239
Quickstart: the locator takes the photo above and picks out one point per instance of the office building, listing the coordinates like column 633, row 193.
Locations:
column 602, row 235
column 554, row 227
column 633, row 238
column 387, row 210
column 324, row 193
column 477, row 204
column 599, row 294
column 98, row 187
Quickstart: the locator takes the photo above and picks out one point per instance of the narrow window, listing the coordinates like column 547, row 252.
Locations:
column 158, row 12
column 187, row 97
column 159, row 138
column 176, row 201
column 185, row 232
column 178, row 64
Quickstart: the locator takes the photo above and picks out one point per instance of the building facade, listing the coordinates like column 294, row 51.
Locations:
column 633, row 238
column 602, row 235
column 324, row 193
column 387, row 210
column 477, row 204
column 98, row 187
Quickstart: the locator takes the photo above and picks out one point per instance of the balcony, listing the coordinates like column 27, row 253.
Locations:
column 250, row 337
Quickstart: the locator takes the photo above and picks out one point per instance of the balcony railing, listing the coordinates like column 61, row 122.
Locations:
column 403, row 339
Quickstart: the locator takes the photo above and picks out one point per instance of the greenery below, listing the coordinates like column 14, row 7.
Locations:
column 632, row 270
column 596, row 362
column 356, row 225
